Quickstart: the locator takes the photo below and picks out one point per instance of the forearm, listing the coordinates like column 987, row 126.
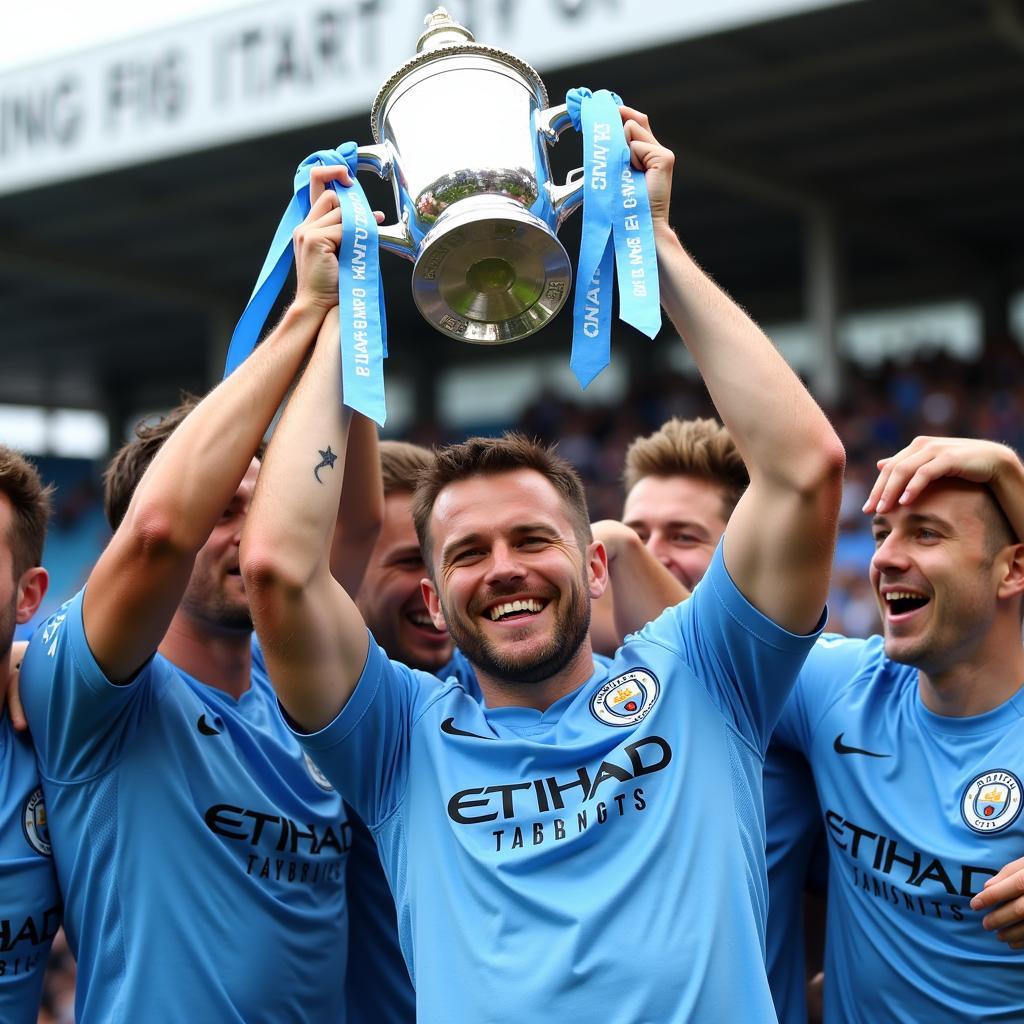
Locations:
column 299, row 490
column 198, row 469
column 642, row 588
column 780, row 431
column 361, row 510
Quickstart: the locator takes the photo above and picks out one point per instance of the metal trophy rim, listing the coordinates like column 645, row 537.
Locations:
column 451, row 50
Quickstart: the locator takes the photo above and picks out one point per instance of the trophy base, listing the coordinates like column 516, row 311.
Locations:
column 490, row 272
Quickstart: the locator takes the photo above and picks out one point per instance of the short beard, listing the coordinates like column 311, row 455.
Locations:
column 218, row 613
column 571, row 630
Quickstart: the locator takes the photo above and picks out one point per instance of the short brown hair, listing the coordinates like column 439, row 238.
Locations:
column 488, row 456
column 401, row 465
column 30, row 503
column 126, row 468
column 699, row 448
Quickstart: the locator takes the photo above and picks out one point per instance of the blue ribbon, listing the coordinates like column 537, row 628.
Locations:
column 618, row 236
column 363, row 329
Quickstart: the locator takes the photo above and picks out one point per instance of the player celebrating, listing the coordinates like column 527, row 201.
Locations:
column 682, row 484
column 390, row 600
column 30, row 906
column 201, row 857
column 916, row 741
column 553, row 849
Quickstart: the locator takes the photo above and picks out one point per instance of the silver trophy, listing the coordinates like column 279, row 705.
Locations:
column 462, row 131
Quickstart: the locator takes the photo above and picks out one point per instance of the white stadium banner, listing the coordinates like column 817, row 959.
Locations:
column 273, row 66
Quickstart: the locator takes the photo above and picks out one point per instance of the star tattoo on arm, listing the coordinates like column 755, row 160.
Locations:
column 327, row 459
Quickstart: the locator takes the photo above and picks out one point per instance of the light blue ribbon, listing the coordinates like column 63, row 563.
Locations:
column 363, row 329
column 618, row 236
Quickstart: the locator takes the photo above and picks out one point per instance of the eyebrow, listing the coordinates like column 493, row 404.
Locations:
column 476, row 538
column 686, row 524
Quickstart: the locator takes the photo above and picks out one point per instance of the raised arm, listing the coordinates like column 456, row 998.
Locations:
column 640, row 589
column 312, row 634
column 780, row 540
column 361, row 510
column 138, row 581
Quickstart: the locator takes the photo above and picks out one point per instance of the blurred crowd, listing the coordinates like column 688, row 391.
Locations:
column 883, row 409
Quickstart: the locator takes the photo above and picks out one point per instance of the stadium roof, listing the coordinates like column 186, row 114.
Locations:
column 899, row 121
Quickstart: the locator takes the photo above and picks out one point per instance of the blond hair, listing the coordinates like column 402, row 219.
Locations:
column 700, row 448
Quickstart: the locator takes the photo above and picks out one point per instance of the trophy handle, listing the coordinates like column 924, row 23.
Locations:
column 553, row 121
column 564, row 198
column 392, row 237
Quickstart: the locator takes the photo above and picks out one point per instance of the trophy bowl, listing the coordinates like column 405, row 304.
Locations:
column 462, row 132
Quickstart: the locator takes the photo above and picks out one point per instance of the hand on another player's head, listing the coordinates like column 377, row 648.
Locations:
column 317, row 238
column 903, row 476
column 1003, row 899
column 654, row 159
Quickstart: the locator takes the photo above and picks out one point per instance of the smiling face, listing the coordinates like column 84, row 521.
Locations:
column 215, row 596
column 680, row 520
column 391, row 598
column 512, row 584
column 936, row 576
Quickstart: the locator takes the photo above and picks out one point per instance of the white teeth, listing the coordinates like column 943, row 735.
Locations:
column 902, row 595
column 529, row 605
column 421, row 619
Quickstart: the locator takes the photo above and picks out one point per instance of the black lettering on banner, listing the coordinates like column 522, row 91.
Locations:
column 40, row 116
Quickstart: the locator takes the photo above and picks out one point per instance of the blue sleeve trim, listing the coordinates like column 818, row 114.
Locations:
column 85, row 662
column 349, row 717
column 755, row 622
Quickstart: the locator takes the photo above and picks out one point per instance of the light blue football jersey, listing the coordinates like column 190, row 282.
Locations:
column 793, row 828
column 30, row 904
column 201, row 857
column 604, row 857
column 919, row 809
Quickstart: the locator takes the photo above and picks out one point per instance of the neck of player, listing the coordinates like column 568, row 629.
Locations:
column 979, row 679
column 218, row 657
column 500, row 693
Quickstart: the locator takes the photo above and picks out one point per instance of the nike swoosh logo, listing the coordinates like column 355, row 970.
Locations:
column 841, row 748
column 448, row 726
column 205, row 728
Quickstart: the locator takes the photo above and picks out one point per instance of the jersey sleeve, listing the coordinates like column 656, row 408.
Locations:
column 365, row 751
column 80, row 721
column 746, row 661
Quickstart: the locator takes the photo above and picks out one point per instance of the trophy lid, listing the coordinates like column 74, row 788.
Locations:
column 445, row 37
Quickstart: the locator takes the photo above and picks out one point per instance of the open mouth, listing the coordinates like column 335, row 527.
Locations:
column 903, row 602
column 508, row 611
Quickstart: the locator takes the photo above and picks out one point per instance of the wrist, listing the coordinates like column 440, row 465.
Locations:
column 307, row 309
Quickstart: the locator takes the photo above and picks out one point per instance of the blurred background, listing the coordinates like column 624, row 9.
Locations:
column 851, row 172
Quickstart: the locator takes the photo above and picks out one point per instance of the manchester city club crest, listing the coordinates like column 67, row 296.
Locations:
column 316, row 775
column 991, row 802
column 33, row 821
column 626, row 699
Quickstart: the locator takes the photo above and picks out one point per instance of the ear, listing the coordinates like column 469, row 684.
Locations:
column 433, row 603
column 31, row 591
column 597, row 568
column 1011, row 583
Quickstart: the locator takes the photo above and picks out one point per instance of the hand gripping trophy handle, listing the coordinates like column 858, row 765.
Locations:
column 462, row 132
